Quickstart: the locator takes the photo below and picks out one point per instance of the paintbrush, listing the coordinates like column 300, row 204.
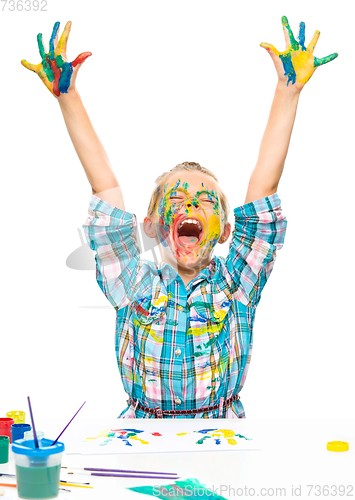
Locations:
column 33, row 424
column 72, row 482
column 78, row 485
column 119, row 470
column 14, row 486
column 68, row 424
column 124, row 475
column 61, row 481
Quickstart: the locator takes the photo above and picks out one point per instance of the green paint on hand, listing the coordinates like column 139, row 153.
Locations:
column 59, row 60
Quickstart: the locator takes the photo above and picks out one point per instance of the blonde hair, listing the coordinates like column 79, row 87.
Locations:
column 189, row 166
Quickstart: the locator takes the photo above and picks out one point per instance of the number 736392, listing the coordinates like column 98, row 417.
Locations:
column 330, row 490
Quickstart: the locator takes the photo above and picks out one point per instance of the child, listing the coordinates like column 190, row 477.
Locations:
column 184, row 330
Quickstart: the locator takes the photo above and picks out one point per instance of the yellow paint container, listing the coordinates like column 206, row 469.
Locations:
column 18, row 416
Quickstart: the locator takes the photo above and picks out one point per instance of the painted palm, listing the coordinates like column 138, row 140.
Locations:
column 54, row 70
column 298, row 61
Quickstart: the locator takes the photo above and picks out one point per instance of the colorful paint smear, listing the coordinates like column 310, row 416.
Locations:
column 177, row 204
column 298, row 61
column 188, row 488
column 54, row 69
column 226, row 434
column 126, row 435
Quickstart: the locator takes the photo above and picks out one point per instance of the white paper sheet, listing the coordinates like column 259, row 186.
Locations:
column 138, row 436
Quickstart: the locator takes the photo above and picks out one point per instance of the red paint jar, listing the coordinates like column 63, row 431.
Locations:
column 5, row 427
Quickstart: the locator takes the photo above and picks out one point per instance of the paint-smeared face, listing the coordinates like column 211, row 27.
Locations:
column 189, row 216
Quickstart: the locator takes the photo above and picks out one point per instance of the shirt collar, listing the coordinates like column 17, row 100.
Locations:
column 168, row 273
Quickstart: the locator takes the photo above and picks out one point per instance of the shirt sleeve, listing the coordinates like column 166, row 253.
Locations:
column 112, row 233
column 259, row 231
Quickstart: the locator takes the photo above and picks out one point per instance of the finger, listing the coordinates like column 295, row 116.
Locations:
column 313, row 42
column 289, row 38
column 41, row 46
column 81, row 58
column 301, row 35
column 31, row 67
column 62, row 44
column 45, row 80
column 324, row 60
column 56, row 40
column 270, row 48
column 54, row 36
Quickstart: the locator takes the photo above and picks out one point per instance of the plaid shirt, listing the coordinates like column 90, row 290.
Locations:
column 183, row 347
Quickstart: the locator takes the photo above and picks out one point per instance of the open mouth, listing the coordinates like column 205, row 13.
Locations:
column 189, row 231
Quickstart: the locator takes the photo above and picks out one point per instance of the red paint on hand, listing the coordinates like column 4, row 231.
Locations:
column 81, row 58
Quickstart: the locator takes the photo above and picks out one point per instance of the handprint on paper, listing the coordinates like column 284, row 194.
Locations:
column 298, row 61
column 55, row 71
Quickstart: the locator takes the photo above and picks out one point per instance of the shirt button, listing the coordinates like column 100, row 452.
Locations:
column 178, row 401
column 178, row 351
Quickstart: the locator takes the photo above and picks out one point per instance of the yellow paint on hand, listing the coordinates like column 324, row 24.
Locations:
column 231, row 441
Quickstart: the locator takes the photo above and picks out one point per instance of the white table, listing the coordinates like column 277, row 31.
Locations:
column 293, row 456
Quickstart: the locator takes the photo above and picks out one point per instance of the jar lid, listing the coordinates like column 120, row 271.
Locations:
column 27, row 447
column 337, row 446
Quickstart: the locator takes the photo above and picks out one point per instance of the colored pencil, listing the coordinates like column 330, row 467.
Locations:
column 68, row 424
column 33, row 424
column 120, row 470
column 124, row 475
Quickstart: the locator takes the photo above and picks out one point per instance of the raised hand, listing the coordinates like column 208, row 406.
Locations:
column 297, row 62
column 55, row 71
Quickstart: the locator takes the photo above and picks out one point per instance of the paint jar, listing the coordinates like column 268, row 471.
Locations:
column 18, row 416
column 29, row 435
column 5, row 426
column 4, row 449
column 37, row 469
column 18, row 431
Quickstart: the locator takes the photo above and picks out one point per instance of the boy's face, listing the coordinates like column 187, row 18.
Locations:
column 189, row 219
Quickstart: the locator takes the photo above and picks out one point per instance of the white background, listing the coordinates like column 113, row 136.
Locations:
column 174, row 81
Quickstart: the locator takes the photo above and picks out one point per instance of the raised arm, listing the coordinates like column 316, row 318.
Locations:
column 90, row 151
column 294, row 67
column 59, row 76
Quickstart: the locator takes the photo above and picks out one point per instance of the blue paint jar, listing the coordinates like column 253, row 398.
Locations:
column 18, row 431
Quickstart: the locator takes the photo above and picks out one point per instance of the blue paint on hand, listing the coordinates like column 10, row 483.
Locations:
column 302, row 36
column 288, row 67
column 65, row 77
